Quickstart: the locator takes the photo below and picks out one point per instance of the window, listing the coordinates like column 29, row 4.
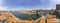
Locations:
column 0, row 14
column 16, row 22
column 0, row 20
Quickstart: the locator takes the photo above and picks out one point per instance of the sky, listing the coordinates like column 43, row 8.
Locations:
column 28, row 4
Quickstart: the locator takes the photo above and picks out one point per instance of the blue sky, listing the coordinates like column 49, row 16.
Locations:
column 28, row 4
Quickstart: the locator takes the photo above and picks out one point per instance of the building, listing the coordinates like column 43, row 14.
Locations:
column 58, row 7
column 57, row 11
column 7, row 17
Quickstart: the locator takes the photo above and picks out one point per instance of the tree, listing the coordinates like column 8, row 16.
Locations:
column 12, row 22
column 51, row 11
column 30, row 19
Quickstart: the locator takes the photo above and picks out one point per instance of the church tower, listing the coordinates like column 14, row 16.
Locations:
column 58, row 7
column 57, row 12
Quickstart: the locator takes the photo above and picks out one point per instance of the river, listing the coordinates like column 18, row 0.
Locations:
column 24, row 16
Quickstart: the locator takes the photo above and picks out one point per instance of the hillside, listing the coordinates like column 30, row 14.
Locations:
column 27, row 12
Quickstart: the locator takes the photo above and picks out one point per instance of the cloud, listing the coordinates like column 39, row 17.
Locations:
column 3, row 8
column 1, row 2
column 51, row 3
column 56, row 1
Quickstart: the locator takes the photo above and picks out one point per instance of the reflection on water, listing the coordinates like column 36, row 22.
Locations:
column 24, row 16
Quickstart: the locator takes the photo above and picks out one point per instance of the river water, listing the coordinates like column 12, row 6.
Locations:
column 24, row 16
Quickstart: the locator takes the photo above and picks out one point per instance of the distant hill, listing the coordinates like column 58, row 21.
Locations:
column 28, row 12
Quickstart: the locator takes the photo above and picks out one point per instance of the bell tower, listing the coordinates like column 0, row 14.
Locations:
column 57, row 12
column 58, row 7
